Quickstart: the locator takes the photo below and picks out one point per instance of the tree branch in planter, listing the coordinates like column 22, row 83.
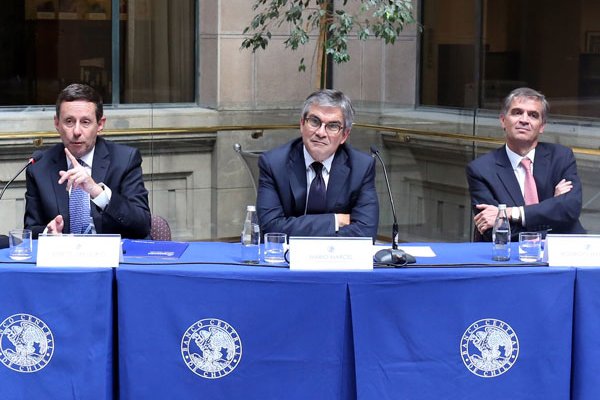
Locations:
column 382, row 19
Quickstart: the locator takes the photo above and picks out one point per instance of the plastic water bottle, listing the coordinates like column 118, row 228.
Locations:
column 91, row 228
column 501, row 235
column 251, row 237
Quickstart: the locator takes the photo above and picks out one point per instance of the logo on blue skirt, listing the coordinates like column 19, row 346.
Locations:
column 489, row 347
column 26, row 343
column 211, row 348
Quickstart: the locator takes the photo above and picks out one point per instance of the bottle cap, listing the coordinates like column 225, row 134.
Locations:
column 501, row 206
column 250, row 208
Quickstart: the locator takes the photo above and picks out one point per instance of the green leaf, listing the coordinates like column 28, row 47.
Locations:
column 383, row 19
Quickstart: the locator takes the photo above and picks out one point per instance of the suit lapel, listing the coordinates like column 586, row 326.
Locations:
column 101, row 161
column 541, row 171
column 297, row 173
column 506, row 174
column 59, row 163
column 337, row 178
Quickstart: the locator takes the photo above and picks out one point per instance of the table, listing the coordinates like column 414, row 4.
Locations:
column 231, row 331
column 56, row 332
column 586, row 335
column 281, row 335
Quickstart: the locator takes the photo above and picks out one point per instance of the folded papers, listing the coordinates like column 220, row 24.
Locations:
column 153, row 249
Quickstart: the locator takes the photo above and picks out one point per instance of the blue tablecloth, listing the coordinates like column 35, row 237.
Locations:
column 226, row 331
column 586, row 335
column 464, row 334
column 56, row 332
column 205, row 325
column 220, row 330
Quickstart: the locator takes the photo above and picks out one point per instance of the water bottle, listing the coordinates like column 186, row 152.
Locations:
column 91, row 228
column 251, row 237
column 501, row 235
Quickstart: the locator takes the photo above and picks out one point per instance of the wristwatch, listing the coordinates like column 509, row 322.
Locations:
column 515, row 215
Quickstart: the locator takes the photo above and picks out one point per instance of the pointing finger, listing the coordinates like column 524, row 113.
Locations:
column 71, row 158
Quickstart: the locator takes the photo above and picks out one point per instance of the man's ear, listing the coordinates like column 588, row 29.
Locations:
column 101, row 123
column 346, row 135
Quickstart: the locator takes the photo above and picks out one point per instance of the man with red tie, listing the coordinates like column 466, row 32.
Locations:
column 537, row 181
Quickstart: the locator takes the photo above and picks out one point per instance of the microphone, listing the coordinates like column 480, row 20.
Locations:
column 37, row 155
column 393, row 255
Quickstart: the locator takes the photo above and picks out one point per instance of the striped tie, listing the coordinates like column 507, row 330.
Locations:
column 79, row 209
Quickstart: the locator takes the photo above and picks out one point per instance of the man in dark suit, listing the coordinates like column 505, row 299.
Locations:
column 107, row 176
column 318, row 185
column 537, row 181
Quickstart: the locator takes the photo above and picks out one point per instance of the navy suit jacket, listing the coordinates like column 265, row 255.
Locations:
column 282, row 192
column 119, row 167
column 492, row 181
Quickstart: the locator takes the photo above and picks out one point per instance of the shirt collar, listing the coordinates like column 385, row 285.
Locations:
column 308, row 160
column 515, row 159
column 87, row 158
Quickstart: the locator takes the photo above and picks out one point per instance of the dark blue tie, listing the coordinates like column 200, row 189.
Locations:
column 79, row 209
column 317, row 195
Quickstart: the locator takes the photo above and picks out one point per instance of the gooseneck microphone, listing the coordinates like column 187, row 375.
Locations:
column 37, row 155
column 375, row 153
column 34, row 158
column 393, row 255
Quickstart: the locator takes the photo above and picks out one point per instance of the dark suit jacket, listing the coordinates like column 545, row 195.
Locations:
column 492, row 181
column 282, row 190
column 119, row 167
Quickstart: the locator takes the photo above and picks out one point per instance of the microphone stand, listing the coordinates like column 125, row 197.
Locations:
column 35, row 157
column 395, row 255
column 31, row 161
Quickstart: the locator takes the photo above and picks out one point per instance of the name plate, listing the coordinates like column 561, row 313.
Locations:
column 331, row 253
column 102, row 251
column 572, row 250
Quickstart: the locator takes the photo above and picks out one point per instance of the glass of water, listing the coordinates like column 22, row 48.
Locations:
column 21, row 245
column 275, row 244
column 530, row 246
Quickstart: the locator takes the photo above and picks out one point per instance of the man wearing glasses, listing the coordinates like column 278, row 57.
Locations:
column 318, row 185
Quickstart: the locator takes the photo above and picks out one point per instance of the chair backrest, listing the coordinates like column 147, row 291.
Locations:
column 250, row 159
column 160, row 229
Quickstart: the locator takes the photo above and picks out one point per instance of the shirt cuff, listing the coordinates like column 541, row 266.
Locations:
column 522, row 210
column 103, row 198
column 337, row 226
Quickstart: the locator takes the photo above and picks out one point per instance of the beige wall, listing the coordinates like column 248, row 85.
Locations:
column 198, row 183
column 231, row 78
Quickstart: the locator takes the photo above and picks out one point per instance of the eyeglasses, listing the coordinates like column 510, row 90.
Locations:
column 332, row 128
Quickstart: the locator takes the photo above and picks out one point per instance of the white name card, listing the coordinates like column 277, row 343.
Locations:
column 102, row 251
column 331, row 253
column 572, row 250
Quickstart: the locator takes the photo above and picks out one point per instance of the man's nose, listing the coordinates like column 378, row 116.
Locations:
column 321, row 130
column 525, row 118
column 77, row 129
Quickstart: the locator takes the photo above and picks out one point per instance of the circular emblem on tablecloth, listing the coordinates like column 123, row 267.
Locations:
column 26, row 343
column 489, row 347
column 211, row 348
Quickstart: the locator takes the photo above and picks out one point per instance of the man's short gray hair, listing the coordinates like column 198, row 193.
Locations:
column 331, row 98
column 527, row 93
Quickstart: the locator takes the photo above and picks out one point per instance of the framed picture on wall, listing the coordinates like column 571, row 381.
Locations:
column 592, row 42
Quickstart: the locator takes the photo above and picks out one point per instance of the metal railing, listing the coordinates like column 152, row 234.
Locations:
column 395, row 133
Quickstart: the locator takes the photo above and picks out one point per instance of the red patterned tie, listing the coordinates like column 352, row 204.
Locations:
column 531, row 196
